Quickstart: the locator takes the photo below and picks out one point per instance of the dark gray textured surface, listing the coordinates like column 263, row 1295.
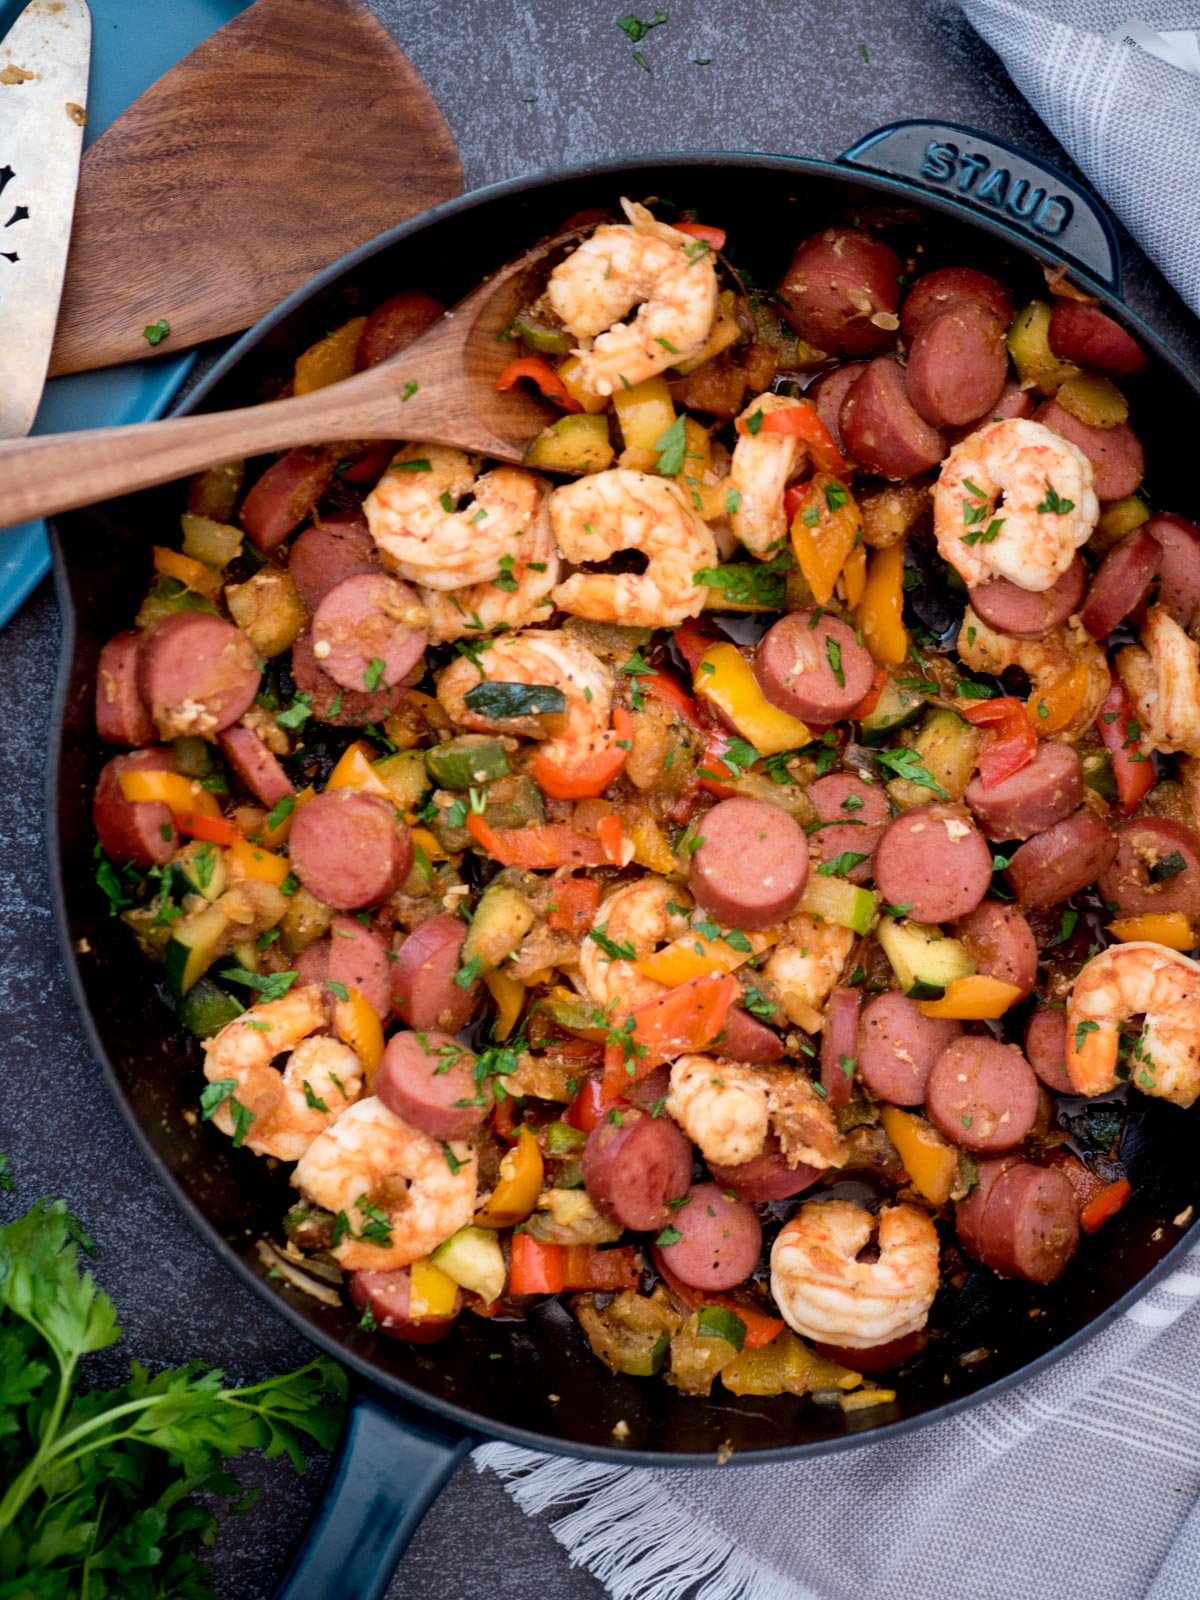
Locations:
column 523, row 88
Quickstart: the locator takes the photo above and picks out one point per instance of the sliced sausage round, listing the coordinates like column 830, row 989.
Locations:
column 935, row 861
column 1008, row 608
column 1115, row 453
column 634, row 1165
column 140, row 831
column 428, row 1081
column 752, row 863
column 1054, row 865
column 197, row 674
column 1046, row 1048
column 395, row 325
column 257, row 767
column 853, row 815
column 829, row 390
column 359, row 959
column 968, row 1213
column 350, row 849
column 342, row 708
column 839, row 1045
column 1090, row 338
column 883, row 430
column 957, row 365
column 387, row 1295
column 286, row 493
column 1156, row 868
column 813, row 666
column 364, row 635
column 841, row 291
column 719, row 1239
column 1030, row 1226
column 939, row 291
column 1121, row 582
column 1178, row 571
column 745, row 1038
column 1001, row 944
column 121, row 715
column 765, row 1176
column 1043, row 792
column 897, row 1047
column 425, row 993
column 328, row 551
column 1013, row 402
column 982, row 1095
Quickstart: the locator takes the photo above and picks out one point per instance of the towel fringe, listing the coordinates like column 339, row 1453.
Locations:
column 626, row 1531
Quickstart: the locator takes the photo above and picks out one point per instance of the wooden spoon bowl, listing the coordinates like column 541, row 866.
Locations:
column 449, row 374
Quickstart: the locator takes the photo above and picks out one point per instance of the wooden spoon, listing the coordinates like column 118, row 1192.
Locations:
column 449, row 374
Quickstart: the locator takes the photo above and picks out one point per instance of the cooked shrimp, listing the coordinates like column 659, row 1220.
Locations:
column 401, row 1192
column 288, row 1109
column 422, row 537
column 643, row 262
column 763, row 466
column 518, row 595
column 1162, row 675
column 1044, row 661
column 825, row 1292
column 728, row 1107
column 538, row 656
column 804, row 966
column 1130, row 980
column 620, row 509
column 992, row 504
column 639, row 917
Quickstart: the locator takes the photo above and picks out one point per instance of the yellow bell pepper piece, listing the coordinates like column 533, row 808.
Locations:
column 862, row 1399
column 273, row 837
column 929, row 1161
column 172, row 788
column 651, row 847
column 329, row 360
column 1057, row 707
column 427, row 842
column 255, row 862
column 356, row 1022
column 431, row 1292
column 192, row 574
column 880, row 611
column 509, row 996
column 785, row 1366
column 725, row 680
column 354, row 771
column 694, row 956
column 697, row 464
column 824, row 531
column 974, row 999
column 1170, row 928
column 854, row 574
column 515, row 1196
column 645, row 412
column 568, row 371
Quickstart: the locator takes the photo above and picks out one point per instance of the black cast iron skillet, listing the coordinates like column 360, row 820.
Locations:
column 417, row 1409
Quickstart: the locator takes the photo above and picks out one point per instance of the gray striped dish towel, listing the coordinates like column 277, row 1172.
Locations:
column 1083, row 1483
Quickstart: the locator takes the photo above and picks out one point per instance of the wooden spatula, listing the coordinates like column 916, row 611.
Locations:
column 292, row 134
column 449, row 376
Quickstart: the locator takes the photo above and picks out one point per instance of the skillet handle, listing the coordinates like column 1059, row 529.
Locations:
column 391, row 1461
column 984, row 173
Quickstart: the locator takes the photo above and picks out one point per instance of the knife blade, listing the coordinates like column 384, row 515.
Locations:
column 43, row 100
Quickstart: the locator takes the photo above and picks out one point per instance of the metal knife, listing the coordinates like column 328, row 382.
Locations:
column 43, row 108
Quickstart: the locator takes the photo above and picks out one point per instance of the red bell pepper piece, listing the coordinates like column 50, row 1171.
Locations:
column 539, row 371
column 1014, row 743
column 372, row 466
column 536, row 1268
column 761, row 1328
column 674, row 696
column 870, row 700
column 587, row 782
column 587, row 1108
column 802, row 422
column 1119, row 728
column 720, row 782
column 544, row 846
column 694, row 636
column 608, row 831
column 574, row 901
column 684, row 1018
column 590, row 1268
column 504, row 1119
column 713, row 237
column 214, row 830
column 1106, row 1204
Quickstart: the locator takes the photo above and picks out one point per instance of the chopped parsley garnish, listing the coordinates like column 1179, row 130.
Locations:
column 452, row 1160
column 157, row 331
column 636, row 30
column 373, row 676
column 1066, row 928
column 269, row 986
column 733, row 500
column 754, row 422
column 505, row 582
column 756, row 1002
column 468, row 972
column 420, row 465
column 833, row 651
column 275, row 816
column 615, row 950
column 1082, row 1031
column 410, row 389
column 672, row 448
column 760, row 583
column 841, row 865
column 338, row 990
column 313, row 1101
column 297, row 714
column 984, row 535
column 668, row 1235
column 835, row 496
column 1054, row 503
column 906, row 763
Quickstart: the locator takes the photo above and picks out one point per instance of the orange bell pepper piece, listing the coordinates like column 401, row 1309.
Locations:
column 540, row 372
column 354, row 771
column 542, row 847
column 803, row 422
column 172, row 789
column 259, row 864
column 213, row 830
column 1057, row 708
column 590, row 1268
column 573, row 903
column 1106, row 1204
column 1013, row 744
column 583, row 783
column 194, row 575
column 686, row 1018
column 534, row 1267
column 880, row 610
column 356, row 1022
column 713, row 237
column 824, row 529
column 515, row 1195
column 870, row 700
column 1170, row 928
